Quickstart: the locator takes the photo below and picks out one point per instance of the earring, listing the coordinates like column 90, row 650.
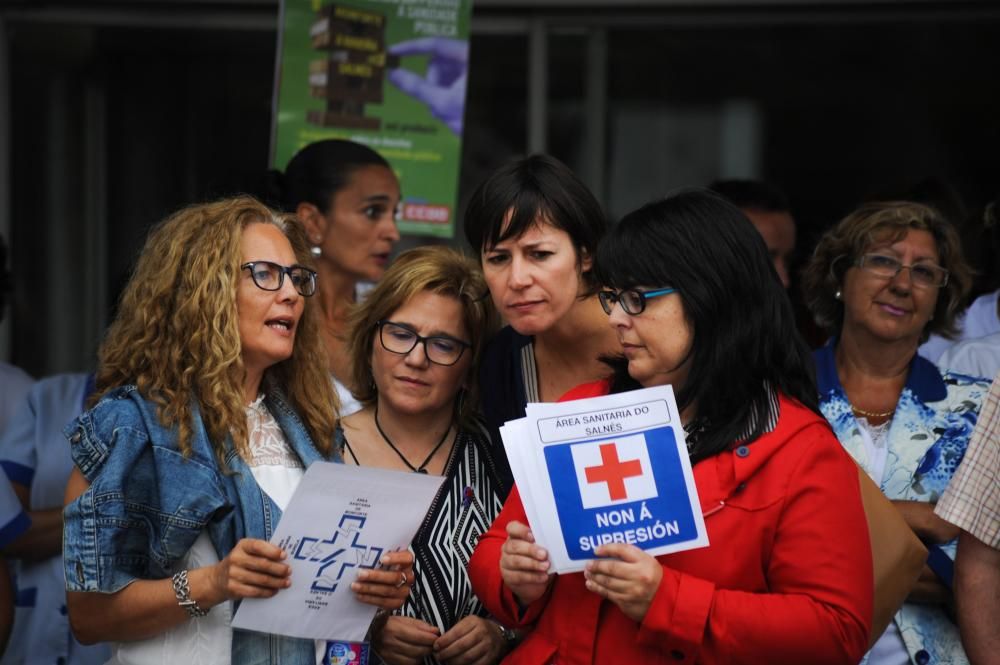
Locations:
column 838, row 294
column 315, row 250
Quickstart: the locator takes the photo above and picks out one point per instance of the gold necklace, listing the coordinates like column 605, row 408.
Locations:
column 872, row 414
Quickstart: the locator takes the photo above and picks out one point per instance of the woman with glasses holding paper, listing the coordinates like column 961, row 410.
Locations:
column 416, row 341
column 787, row 577
column 881, row 281
column 213, row 397
column 536, row 227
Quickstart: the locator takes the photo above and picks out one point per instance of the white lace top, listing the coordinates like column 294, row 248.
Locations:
column 208, row 640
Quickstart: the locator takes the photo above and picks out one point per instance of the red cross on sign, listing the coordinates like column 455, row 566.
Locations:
column 613, row 472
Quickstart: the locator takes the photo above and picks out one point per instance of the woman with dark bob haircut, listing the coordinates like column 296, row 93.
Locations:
column 881, row 281
column 536, row 227
column 695, row 302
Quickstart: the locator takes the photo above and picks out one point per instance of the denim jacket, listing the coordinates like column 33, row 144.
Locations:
column 147, row 504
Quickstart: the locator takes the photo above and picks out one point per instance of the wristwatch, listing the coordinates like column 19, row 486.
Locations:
column 509, row 636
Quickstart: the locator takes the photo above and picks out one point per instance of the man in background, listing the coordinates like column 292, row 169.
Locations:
column 767, row 208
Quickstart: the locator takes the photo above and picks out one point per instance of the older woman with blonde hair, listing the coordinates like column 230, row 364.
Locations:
column 212, row 398
column 882, row 280
column 415, row 343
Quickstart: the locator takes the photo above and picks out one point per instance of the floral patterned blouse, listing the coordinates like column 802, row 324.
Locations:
column 930, row 431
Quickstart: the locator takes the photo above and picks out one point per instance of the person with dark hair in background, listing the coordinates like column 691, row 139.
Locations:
column 536, row 227
column 14, row 382
column 787, row 577
column 768, row 209
column 212, row 398
column 346, row 196
column 880, row 281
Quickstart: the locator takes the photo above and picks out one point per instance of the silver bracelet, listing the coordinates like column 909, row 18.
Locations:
column 183, row 594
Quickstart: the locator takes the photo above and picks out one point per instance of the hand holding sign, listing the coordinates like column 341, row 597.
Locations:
column 388, row 587
column 592, row 472
column 524, row 565
column 344, row 532
column 629, row 579
column 253, row 569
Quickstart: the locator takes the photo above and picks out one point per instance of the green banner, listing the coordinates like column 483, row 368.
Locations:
column 387, row 73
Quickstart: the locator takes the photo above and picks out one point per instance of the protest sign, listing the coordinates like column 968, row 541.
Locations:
column 606, row 469
column 340, row 520
column 387, row 73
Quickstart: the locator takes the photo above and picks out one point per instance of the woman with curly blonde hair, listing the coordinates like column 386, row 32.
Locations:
column 212, row 398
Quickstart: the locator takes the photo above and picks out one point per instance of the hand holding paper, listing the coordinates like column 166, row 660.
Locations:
column 252, row 569
column 629, row 578
column 342, row 531
column 524, row 565
column 592, row 472
column 386, row 588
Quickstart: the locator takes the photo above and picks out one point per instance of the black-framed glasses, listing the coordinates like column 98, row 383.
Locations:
column 401, row 339
column 633, row 301
column 270, row 276
column 924, row 275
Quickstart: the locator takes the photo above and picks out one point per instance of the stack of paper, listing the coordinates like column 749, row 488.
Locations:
column 605, row 469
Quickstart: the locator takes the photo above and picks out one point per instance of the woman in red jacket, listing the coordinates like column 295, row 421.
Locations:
column 787, row 577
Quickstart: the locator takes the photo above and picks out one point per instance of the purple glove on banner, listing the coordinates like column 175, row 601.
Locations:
column 443, row 90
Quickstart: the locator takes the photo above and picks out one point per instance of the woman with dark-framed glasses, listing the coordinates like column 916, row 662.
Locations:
column 211, row 399
column 416, row 342
column 881, row 281
column 695, row 302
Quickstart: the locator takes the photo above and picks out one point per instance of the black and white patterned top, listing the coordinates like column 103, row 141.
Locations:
column 477, row 481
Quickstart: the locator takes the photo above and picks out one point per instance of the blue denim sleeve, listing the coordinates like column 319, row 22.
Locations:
column 146, row 504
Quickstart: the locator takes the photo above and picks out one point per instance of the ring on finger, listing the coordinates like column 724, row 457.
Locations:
column 402, row 581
